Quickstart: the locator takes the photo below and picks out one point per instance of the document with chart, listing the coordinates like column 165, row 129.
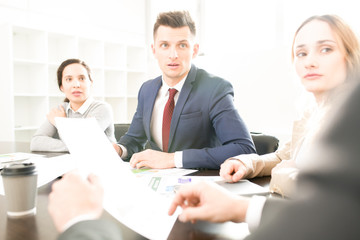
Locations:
column 126, row 197
column 167, row 185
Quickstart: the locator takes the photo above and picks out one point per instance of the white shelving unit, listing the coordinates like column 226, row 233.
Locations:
column 28, row 62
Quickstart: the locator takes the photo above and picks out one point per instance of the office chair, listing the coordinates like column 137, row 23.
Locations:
column 264, row 143
column 120, row 129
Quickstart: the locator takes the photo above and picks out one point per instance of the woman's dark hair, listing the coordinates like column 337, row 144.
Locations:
column 64, row 64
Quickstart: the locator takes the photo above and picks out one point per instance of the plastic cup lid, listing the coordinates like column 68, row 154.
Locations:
column 16, row 169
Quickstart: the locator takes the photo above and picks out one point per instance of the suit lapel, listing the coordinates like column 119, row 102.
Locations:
column 184, row 94
column 149, row 103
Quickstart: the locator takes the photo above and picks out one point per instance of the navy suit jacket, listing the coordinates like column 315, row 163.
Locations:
column 205, row 124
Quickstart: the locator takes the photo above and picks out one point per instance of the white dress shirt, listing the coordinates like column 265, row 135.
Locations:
column 157, row 118
column 254, row 212
column 83, row 107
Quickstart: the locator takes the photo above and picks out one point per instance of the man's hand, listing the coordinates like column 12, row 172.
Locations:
column 74, row 196
column 232, row 170
column 117, row 149
column 56, row 112
column 208, row 202
column 152, row 159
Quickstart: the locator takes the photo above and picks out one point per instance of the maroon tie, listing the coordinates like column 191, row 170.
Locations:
column 168, row 111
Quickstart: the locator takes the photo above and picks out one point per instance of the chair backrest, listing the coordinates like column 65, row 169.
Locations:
column 120, row 129
column 264, row 143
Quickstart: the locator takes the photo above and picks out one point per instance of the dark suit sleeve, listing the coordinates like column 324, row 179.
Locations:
column 135, row 139
column 229, row 129
column 93, row 229
column 328, row 203
column 324, row 216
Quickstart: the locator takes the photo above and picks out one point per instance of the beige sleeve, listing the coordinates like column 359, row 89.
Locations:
column 261, row 165
column 283, row 179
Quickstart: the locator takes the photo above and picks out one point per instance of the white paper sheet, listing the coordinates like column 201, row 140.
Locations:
column 51, row 168
column 126, row 198
column 17, row 156
column 161, row 172
column 167, row 185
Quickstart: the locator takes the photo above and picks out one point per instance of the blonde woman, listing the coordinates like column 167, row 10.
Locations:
column 325, row 53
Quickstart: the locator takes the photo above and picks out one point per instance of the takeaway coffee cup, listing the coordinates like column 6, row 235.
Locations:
column 20, row 185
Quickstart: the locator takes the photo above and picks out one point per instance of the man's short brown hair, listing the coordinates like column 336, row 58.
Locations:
column 175, row 19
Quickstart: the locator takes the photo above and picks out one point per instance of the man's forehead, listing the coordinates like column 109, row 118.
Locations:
column 165, row 33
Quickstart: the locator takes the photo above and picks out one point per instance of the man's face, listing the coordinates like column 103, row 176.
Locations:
column 174, row 48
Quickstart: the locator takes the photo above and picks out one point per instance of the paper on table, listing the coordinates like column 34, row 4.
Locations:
column 168, row 184
column 10, row 158
column 161, row 172
column 17, row 156
column 126, row 198
column 51, row 168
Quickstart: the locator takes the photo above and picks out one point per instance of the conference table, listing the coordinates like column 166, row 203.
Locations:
column 41, row 227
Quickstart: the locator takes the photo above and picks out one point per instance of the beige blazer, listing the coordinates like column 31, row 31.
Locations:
column 281, row 165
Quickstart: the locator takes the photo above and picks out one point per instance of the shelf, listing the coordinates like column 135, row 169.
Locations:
column 135, row 59
column 119, row 107
column 24, row 136
column 30, row 59
column 97, row 76
column 115, row 83
column 92, row 52
column 26, row 128
column 53, row 87
column 55, row 101
column 29, row 44
column 131, row 106
column 30, row 111
column 25, row 61
column 30, row 78
column 61, row 47
column 115, row 56
column 134, row 81
column 27, row 94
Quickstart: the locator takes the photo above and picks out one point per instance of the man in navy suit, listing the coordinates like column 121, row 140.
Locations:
column 205, row 129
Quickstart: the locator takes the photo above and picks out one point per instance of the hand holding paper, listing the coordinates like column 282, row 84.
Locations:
column 83, row 198
column 124, row 194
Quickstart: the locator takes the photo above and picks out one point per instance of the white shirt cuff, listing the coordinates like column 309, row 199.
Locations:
column 77, row 219
column 124, row 151
column 178, row 159
column 254, row 211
